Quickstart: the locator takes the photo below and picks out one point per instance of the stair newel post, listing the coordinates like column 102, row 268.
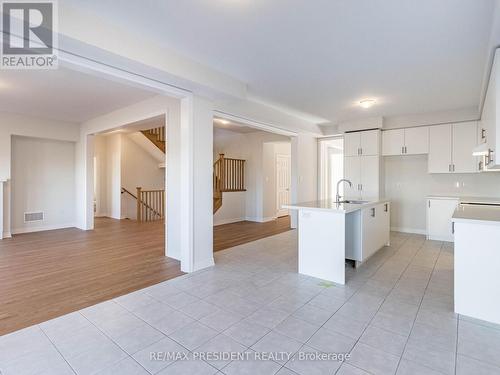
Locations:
column 139, row 203
column 222, row 172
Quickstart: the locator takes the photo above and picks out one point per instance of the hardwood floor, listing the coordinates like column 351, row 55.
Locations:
column 47, row 274
column 229, row 235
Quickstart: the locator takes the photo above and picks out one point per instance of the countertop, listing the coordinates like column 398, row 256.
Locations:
column 332, row 206
column 477, row 215
column 466, row 199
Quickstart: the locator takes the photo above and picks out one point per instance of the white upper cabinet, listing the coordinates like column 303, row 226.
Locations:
column 362, row 143
column 409, row 141
column 490, row 116
column 417, row 140
column 450, row 148
column 370, row 142
column 352, row 143
column 464, row 141
column 440, row 149
column 393, row 142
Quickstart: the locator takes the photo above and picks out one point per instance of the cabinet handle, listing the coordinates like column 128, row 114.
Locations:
column 402, row 149
column 386, row 207
column 361, row 150
column 406, row 150
column 453, row 227
column 449, row 167
column 480, row 167
column 483, row 133
column 360, row 186
column 453, row 167
column 429, row 202
column 373, row 212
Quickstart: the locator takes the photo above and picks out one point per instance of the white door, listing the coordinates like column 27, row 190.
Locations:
column 393, row 142
column 464, row 141
column 417, row 140
column 369, row 142
column 352, row 172
column 440, row 146
column 439, row 213
column 351, row 144
column 370, row 185
column 283, row 172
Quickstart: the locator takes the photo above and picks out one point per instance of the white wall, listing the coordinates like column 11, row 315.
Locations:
column 43, row 179
column 304, row 170
column 138, row 168
column 28, row 126
column 407, row 183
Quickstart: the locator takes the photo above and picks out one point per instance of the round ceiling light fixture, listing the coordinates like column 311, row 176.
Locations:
column 367, row 103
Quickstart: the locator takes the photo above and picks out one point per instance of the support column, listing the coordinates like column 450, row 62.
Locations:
column 196, row 184
column 1, row 210
column 304, row 171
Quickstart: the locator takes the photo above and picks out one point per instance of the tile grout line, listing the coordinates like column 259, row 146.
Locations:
column 56, row 348
column 419, row 306
column 399, row 278
column 340, row 308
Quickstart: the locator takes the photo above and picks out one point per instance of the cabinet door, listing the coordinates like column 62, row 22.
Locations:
column 417, row 140
column 439, row 213
column 440, row 146
column 393, row 142
column 352, row 172
column 370, row 142
column 370, row 183
column 351, row 144
column 369, row 232
column 464, row 141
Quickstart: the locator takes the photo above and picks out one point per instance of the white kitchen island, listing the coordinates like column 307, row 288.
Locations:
column 331, row 232
column 477, row 261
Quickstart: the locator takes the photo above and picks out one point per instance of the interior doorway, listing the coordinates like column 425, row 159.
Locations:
column 283, row 183
column 331, row 167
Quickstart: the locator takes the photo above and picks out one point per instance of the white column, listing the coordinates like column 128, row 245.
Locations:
column 304, row 171
column 1, row 210
column 196, row 184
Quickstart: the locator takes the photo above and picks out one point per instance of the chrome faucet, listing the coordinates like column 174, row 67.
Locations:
column 337, row 196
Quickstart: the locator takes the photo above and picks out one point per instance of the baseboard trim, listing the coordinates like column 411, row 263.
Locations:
column 6, row 235
column 261, row 219
column 228, row 221
column 408, row 230
column 43, row 229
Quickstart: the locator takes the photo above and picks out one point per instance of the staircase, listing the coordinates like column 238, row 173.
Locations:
column 228, row 176
column 157, row 136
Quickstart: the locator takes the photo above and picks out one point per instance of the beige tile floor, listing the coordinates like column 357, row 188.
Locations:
column 394, row 316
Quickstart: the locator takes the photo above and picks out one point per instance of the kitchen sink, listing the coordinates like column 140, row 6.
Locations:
column 353, row 202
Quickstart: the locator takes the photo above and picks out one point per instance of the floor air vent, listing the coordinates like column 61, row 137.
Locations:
column 33, row 216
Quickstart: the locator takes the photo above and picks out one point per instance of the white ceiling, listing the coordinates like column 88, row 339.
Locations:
column 63, row 94
column 321, row 57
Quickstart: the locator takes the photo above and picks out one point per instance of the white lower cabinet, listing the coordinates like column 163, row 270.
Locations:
column 367, row 231
column 439, row 213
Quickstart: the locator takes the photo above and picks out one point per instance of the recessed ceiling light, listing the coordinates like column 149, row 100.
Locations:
column 366, row 103
column 221, row 121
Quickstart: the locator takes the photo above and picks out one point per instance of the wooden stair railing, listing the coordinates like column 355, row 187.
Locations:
column 150, row 206
column 157, row 137
column 228, row 176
